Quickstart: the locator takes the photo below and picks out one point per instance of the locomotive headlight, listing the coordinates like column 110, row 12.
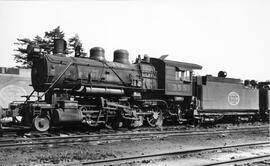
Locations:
column 32, row 50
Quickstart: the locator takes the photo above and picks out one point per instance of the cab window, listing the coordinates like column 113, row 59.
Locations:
column 183, row 75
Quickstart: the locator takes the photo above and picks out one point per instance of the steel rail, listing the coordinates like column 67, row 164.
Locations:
column 25, row 130
column 158, row 155
column 168, row 133
column 115, row 137
column 241, row 160
column 148, row 132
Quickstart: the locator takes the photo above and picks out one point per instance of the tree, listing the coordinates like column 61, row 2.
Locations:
column 75, row 45
column 45, row 43
column 55, row 34
column 21, row 55
column 50, row 36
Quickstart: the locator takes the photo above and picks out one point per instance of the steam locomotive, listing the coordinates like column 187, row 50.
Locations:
column 95, row 91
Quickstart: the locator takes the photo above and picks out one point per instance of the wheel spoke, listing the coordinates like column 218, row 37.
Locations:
column 155, row 118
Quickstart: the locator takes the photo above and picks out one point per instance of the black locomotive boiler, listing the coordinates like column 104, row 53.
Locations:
column 94, row 91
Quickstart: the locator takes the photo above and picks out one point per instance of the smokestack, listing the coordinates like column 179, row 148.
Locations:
column 60, row 46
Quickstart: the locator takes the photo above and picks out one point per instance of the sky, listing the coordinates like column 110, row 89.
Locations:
column 228, row 35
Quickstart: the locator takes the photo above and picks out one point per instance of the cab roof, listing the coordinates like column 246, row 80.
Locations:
column 184, row 65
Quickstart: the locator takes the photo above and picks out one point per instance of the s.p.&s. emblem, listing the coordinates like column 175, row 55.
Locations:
column 233, row 98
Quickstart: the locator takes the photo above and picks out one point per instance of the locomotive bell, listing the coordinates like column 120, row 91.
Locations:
column 60, row 46
column 121, row 56
column 146, row 58
column 97, row 53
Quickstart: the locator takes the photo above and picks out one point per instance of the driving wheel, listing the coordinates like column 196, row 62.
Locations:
column 155, row 119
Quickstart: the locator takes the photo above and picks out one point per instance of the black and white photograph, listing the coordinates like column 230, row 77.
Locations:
column 134, row 83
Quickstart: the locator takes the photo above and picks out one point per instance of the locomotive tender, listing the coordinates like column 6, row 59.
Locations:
column 220, row 96
column 95, row 91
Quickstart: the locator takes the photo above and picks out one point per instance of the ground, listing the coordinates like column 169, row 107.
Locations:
column 60, row 155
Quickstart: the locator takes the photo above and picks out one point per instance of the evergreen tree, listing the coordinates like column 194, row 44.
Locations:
column 50, row 36
column 75, row 45
column 21, row 55
column 55, row 34
column 45, row 43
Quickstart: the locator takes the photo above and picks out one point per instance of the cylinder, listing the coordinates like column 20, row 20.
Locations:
column 121, row 56
column 97, row 53
column 60, row 46
column 67, row 115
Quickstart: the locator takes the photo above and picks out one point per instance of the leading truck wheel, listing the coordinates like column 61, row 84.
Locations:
column 41, row 124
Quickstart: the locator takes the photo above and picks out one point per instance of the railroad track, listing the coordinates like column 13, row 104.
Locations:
column 245, row 160
column 105, row 138
column 139, row 158
column 21, row 131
